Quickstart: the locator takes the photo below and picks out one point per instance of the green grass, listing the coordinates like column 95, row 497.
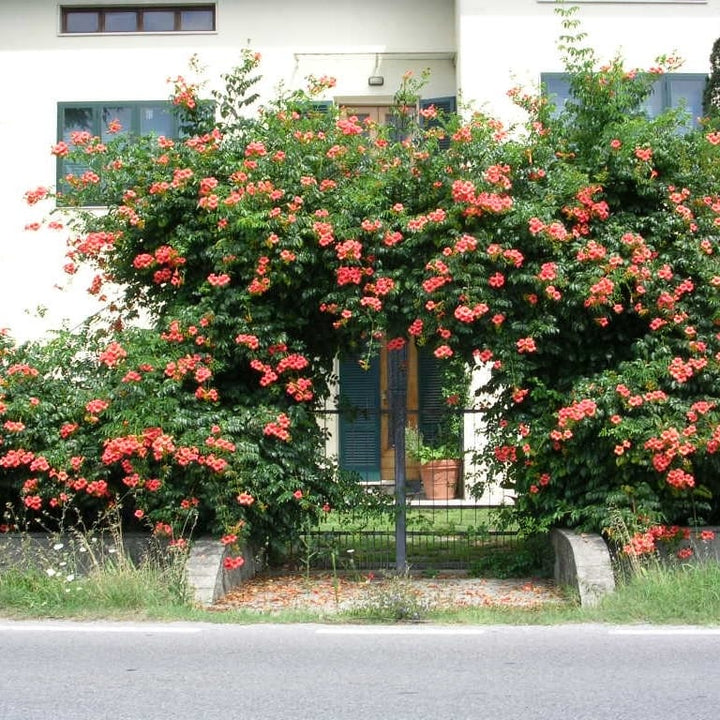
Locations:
column 362, row 551
column 680, row 595
column 62, row 583
column 418, row 519
column 113, row 589
column 436, row 537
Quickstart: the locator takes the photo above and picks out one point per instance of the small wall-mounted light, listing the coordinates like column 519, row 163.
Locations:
column 376, row 80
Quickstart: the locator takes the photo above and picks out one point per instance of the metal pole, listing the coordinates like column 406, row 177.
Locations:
column 397, row 372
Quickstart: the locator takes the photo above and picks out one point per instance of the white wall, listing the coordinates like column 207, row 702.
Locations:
column 503, row 43
column 482, row 47
column 39, row 67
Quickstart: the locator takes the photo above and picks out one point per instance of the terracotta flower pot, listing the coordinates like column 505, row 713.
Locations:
column 440, row 478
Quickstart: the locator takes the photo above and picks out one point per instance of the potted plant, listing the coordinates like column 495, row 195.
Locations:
column 439, row 464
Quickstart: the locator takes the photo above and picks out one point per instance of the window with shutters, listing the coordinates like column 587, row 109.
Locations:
column 365, row 433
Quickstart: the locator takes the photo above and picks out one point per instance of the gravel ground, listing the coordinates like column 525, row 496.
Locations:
column 322, row 592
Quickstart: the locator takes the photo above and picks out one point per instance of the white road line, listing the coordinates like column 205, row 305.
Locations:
column 96, row 628
column 399, row 630
column 659, row 630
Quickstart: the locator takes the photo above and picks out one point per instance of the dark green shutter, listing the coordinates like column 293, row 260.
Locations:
column 360, row 418
column 321, row 106
column 432, row 406
column 445, row 105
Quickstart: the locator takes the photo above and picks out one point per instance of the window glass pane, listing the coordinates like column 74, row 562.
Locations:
column 78, row 119
column 120, row 21
column 158, row 20
column 654, row 103
column 82, row 21
column 557, row 90
column 112, row 114
column 156, row 119
column 363, row 118
column 197, row 20
column 399, row 122
column 687, row 92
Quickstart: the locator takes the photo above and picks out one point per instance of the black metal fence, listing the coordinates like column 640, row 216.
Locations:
column 371, row 430
column 437, row 537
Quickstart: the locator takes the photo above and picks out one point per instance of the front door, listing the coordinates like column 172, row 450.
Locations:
column 376, row 115
column 366, row 443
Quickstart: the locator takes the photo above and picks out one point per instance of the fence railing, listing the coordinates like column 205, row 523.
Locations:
column 437, row 537
column 369, row 436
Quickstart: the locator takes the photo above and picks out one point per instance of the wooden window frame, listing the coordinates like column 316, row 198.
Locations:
column 139, row 10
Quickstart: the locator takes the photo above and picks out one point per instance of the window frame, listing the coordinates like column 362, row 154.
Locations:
column 96, row 107
column 663, row 88
column 139, row 10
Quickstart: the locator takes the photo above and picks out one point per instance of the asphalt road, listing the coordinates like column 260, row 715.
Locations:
column 124, row 671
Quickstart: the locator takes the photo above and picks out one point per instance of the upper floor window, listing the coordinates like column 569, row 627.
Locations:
column 669, row 91
column 105, row 120
column 80, row 19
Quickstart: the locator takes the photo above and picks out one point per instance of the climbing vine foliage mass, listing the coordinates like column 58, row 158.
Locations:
column 575, row 255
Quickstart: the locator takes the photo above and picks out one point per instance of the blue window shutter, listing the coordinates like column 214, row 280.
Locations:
column 360, row 418
column 446, row 105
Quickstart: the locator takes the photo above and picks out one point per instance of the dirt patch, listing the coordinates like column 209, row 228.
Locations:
column 324, row 592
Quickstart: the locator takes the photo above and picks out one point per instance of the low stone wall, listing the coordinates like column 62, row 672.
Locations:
column 206, row 574
column 582, row 562
column 45, row 549
column 704, row 549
